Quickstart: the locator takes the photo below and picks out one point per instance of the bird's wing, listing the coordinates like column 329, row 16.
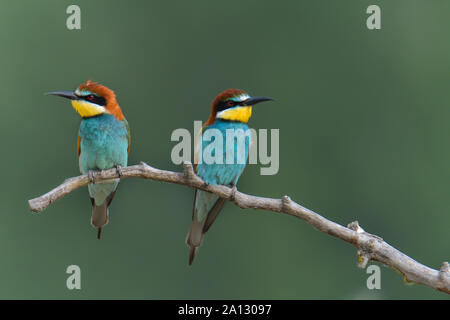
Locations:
column 196, row 143
column 129, row 143
column 196, row 150
column 201, row 223
column 129, row 135
column 213, row 213
column 78, row 146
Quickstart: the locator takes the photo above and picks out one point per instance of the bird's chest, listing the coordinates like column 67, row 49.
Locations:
column 103, row 144
column 224, row 161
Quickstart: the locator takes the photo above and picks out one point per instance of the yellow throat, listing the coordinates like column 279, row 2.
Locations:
column 86, row 109
column 241, row 114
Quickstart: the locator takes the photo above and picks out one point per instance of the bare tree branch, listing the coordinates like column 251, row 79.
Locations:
column 369, row 246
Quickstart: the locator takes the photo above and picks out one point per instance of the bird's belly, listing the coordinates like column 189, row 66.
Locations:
column 103, row 153
column 225, row 173
column 100, row 191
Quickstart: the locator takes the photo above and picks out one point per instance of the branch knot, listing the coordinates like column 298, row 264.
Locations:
column 233, row 194
column 445, row 270
column 285, row 202
column 188, row 171
column 355, row 227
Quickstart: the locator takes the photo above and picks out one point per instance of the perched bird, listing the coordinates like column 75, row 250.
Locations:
column 103, row 142
column 230, row 113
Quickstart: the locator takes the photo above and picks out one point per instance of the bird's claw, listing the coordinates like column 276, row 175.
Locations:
column 119, row 171
column 233, row 193
column 91, row 176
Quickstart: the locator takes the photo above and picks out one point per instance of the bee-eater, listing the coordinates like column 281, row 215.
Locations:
column 230, row 113
column 103, row 142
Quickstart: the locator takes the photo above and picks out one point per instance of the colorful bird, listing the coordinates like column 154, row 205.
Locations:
column 103, row 142
column 230, row 113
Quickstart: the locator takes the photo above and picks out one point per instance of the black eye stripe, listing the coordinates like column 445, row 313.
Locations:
column 94, row 99
column 223, row 105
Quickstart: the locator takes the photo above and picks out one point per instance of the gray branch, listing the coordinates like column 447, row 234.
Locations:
column 369, row 246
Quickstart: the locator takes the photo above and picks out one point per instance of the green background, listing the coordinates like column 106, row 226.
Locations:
column 364, row 119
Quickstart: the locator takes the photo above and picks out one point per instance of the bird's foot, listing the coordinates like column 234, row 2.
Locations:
column 233, row 193
column 119, row 171
column 205, row 184
column 91, row 176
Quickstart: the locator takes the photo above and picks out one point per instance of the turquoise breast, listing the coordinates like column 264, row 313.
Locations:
column 234, row 153
column 103, row 145
column 234, row 148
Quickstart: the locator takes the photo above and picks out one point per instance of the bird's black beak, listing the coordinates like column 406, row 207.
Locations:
column 65, row 94
column 254, row 100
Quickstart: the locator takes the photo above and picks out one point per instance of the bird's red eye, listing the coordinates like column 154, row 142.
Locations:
column 230, row 103
column 90, row 97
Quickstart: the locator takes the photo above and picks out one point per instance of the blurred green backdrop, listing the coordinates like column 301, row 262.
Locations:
column 364, row 119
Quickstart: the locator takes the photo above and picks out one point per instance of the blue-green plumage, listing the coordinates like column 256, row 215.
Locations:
column 220, row 162
column 103, row 145
column 103, row 141
column 234, row 154
column 235, row 148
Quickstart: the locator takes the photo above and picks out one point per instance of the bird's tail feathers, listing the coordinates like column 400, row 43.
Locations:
column 194, row 237
column 100, row 214
column 99, row 217
column 198, row 228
